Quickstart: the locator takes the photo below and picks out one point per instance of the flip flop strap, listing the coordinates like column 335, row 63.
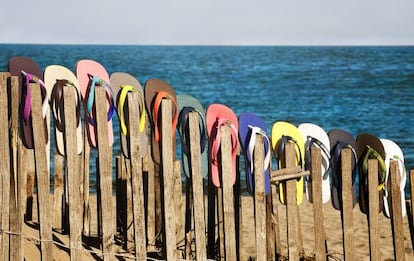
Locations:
column 183, row 126
column 28, row 101
column 96, row 81
column 155, row 110
column 125, row 89
column 253, row 131
column 281, row 147
column 372, row 153
column 57, row 104
column 217, row 139
column 312, row 141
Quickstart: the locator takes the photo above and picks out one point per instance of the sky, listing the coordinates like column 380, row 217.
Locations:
column 208, row 22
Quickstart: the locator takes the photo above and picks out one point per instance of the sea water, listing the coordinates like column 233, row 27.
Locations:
column 358, row 89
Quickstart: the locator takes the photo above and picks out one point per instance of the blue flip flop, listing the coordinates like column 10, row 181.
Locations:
column 249, row 125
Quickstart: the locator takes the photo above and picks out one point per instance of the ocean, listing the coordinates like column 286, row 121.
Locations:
column 357, row 89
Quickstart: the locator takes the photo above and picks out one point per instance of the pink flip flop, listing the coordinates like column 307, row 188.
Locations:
column 91, row 74
column 216, row 116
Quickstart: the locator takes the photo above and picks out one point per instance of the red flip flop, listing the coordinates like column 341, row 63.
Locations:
column 218, row 115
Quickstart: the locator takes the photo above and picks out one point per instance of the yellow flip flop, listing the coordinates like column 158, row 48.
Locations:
column 283, row 132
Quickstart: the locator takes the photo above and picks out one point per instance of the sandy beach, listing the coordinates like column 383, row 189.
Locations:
column 333, row 230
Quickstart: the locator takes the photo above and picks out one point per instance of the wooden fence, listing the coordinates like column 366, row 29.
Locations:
column 147, row 221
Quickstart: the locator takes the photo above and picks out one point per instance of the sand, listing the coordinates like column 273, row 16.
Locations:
column 333, row 230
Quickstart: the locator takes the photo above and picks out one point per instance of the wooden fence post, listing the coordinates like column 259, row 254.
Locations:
column 138, row 207
column 18, row 177
column 105, row 173
column 259, row 199
column 42, row 174
column 197, row 187
column 168, row 176
column 347, row 205
column 4, row 168
column 73, row 179
column 319, row 229
column 291, row 204
column 373, row 208
column 397, row 218
column 228, row 197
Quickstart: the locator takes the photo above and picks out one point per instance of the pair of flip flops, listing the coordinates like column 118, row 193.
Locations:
column 393, row 152
column 368, row 147
column 28, row 71
column 251, row 125
column 218, row 115
column 340, row 139
column 90, row 75
column 58, row 78
column 371, row 147
column 282, row 133
column 122, row 84
column 316, row 137
column 188, row 104
column 155, row 91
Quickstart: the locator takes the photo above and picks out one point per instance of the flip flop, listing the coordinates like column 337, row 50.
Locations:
column 91, row 74
column 155, row 91
column 218, row 115
column 283, row 132
column 340, row 139
column 393, row 152
column 370, row 147
column 187, row 104
column 58, row 77
column 316, row 137
column 122, row 84
column 249, row 125
column 28, row 71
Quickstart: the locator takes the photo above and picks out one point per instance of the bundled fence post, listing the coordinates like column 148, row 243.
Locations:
column 105, row 174
column 18, row 177
column 259, row 199
column 291, row 202
column 42, row 174
column 347, row 205
column 4, row 168
column 150, row 201
column 228, row 205
column 318, row 220
column 85, row 171
column 73, row 179
column 373, row 207
column 397, row 219
column 138, row 207
column 168, row 176
column 58, row 192
column 197, row 187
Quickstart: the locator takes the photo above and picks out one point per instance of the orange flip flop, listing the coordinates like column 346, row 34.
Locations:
column 155, row 91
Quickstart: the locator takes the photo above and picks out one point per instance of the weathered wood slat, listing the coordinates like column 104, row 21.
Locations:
column 373, row 208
